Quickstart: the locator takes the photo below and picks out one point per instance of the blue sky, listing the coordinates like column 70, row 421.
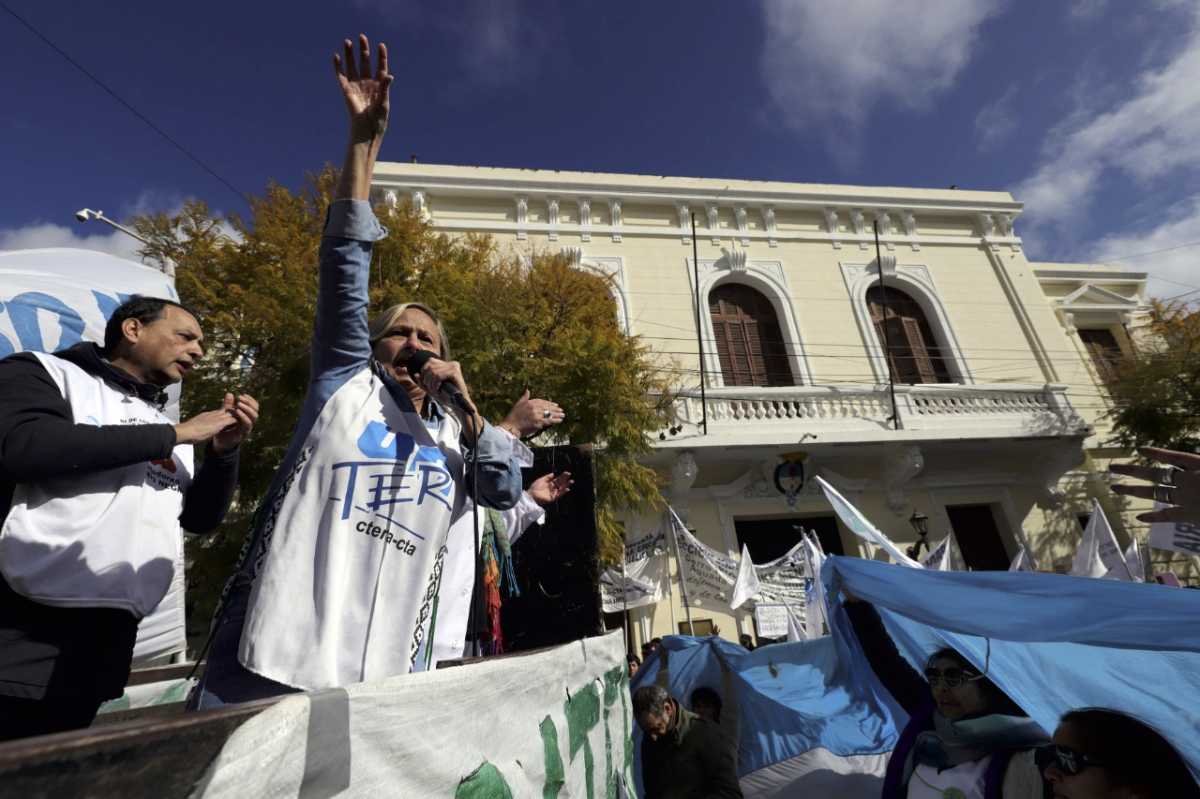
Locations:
column 1087, row 110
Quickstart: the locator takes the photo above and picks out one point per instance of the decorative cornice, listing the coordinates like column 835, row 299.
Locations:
column 668, row 190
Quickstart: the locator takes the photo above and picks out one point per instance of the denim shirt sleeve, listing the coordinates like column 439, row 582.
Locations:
column 340, row 341
column 499, row 469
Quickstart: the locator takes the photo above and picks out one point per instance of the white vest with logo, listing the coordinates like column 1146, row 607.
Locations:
column 348, row 585
column 108, row 538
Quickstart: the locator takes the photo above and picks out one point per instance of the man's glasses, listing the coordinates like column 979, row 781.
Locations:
column 951, row 677
column 1067, row 760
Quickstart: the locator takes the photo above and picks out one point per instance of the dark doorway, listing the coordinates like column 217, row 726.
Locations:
column 978, row 537
column 770, row 538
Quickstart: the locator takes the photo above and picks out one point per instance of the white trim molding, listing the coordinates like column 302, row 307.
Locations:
column 917, row 282
column 763, row 276
column 611, row 267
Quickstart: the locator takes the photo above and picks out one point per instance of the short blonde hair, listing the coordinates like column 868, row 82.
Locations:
column 384, row 320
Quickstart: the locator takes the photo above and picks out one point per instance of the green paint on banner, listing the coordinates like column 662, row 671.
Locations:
column 485, row 782
column 556, row 775
column 625, row 714
column 583, row 713
column 612, row 686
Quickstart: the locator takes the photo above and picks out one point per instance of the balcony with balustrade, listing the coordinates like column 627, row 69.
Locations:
column 842, row 414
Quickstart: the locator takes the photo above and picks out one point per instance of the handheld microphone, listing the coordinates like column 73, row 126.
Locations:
column 448, row 391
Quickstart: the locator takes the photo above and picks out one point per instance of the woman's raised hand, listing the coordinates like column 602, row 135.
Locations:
column 366, row 94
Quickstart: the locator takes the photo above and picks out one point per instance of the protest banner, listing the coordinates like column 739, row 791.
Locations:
column 552, row 723
column 771, row 621
column 1175, row 536
column 710, row 575
column 641, row 580
column 55, row 298
column 938, row 558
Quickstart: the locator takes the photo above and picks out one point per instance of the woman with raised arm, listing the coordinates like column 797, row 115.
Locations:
column 339, row 580
column 965, row 737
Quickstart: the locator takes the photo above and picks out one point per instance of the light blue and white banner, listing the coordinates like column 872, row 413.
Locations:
column 1052, row 642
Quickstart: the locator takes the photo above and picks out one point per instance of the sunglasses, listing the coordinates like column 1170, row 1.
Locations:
column 1067, row 760
column 951, row 677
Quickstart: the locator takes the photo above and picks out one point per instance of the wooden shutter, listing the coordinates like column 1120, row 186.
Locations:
column 922, row 364
column 913, row 352
column 1105, row 353
column 748, row 339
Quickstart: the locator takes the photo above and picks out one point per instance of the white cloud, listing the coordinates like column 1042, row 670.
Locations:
column 1148, row 136
column 1087, row 9
column 996, row 121
column 48, row 234
column 498, row 42
column 1173, row 260
column 827, row 65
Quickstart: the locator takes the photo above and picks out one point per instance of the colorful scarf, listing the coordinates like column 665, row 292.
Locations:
column 498, row 574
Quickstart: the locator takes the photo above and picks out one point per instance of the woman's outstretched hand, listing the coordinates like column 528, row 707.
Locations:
column 366, row 94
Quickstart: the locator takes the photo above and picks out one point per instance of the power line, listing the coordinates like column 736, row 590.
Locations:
column 244, row 197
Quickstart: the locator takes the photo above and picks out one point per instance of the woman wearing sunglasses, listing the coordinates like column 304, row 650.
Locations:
column 1102, row 754
column 965, row 739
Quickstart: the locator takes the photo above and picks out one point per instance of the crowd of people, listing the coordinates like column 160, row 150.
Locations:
column 397, row 501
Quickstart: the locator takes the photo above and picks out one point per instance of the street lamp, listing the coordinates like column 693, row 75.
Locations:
column 920, row 526
column 87, row 214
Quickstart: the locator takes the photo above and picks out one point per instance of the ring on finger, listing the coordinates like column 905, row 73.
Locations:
column 546, row 414
column 1164, row 494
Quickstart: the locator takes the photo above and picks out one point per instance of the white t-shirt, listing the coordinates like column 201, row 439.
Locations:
column 968, row 778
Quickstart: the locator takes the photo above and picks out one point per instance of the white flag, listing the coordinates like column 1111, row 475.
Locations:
column 1133, row 561
column 858, row 524
column 816, row 613
column 1020, row 563
column 797, row 627
column 938, row 559
column 747, row 585
column 1098, row 552
column 1175, row 536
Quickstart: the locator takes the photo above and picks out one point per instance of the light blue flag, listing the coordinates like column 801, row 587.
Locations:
column 1053, row 643
column 808, row 715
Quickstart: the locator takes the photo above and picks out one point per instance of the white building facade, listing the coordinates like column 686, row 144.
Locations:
column 993, row 426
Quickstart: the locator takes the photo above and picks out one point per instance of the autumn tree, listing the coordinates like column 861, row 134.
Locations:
column 1156, row 393
column 544, row 326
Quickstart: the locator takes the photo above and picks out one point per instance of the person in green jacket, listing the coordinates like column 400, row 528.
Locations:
column 683, row 755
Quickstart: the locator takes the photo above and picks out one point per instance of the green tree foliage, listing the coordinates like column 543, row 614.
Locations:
column 543, row 326
column 1157, row 392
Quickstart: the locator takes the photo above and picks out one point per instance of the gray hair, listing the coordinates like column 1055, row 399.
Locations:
column 384, row 320
column 650, row 699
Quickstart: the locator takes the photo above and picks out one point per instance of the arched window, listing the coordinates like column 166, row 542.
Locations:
column 912, row 348
column 749, row 342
